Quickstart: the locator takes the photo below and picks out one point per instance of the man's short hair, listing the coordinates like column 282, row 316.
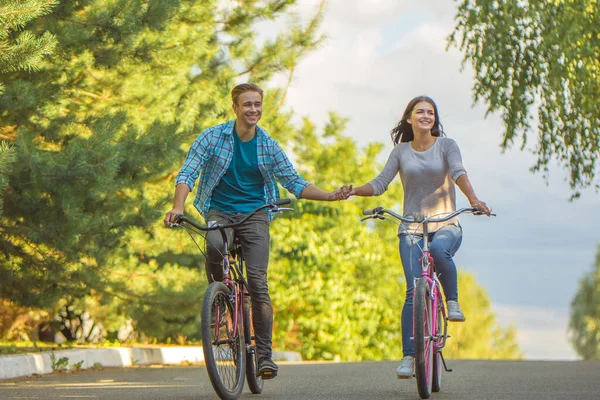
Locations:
column 243, row 88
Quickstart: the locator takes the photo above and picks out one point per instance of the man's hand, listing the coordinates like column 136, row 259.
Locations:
column 170, row 216
column 347, row 191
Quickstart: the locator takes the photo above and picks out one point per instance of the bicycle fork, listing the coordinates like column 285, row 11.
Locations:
column 433, row 294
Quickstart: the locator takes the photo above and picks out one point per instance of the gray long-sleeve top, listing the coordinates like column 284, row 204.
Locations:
column 427, row 177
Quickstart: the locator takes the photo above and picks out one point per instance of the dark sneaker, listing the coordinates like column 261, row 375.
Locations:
column 267, row 369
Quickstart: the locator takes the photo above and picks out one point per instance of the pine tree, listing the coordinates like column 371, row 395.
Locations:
column 103, row 125
column 19, row 50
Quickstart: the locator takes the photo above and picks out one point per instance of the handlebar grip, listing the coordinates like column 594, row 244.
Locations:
column 368, row 212
column 177, row 219
column 282, row 202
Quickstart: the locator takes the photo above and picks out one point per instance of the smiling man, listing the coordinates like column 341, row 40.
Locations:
column 240, row 165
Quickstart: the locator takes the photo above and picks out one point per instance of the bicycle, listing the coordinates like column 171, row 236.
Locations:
column 228, row 340
column 430, row 324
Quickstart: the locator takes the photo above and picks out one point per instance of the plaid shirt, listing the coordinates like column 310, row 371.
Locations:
column 212, row 152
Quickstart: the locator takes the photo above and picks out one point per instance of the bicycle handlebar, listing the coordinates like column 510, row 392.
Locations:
column 379, row 211
column 273, row 207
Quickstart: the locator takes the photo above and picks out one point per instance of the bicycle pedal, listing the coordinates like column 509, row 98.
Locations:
column 265, row 375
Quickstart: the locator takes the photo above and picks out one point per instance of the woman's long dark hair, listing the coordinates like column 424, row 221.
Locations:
column 403, row 132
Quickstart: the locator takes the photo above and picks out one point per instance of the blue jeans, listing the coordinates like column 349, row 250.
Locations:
column 443, row 244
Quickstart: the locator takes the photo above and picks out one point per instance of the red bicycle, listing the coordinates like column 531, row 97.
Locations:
column 228, row 340
column 430, row 325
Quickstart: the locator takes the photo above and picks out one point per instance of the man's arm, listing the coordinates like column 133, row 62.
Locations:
column 311, row 192
column 181, row 192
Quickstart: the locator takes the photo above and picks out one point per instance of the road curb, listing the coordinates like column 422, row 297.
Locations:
column 15, row 366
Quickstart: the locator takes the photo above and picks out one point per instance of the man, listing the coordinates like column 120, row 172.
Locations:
column 240, row 164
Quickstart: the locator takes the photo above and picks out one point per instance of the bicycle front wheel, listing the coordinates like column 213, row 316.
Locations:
column 222, row 342
column 440, row 332
column 255, row 382
column 423, row 338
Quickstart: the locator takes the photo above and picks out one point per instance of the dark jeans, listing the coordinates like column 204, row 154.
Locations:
column 443, row 244
column 254, row 238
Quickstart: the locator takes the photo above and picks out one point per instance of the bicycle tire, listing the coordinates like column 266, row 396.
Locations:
column 436, row 377
column 255, row 382
column 422, row 338
column 223, row 349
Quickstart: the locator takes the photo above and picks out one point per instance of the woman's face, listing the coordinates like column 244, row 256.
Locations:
column 422, row 116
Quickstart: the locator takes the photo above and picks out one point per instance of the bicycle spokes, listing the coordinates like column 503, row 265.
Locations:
column 223, row 343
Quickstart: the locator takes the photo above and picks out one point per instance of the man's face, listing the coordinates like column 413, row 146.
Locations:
column 248, row 108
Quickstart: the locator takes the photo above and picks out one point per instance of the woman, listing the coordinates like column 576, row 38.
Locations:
column 429, row 165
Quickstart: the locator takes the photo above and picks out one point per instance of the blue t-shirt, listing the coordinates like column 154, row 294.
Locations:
column 242, row 188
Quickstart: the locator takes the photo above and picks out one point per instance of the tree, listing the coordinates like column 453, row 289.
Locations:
column 26, row 50
column 22, row 52
column 536, row 62
column 337, row 284
column 100, row 132
column 584, row 324
column 103, row 126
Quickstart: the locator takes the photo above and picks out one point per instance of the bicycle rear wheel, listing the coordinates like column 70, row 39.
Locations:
column 423, row 338
column 436, row 384
column 255, row 382
column 223, row 347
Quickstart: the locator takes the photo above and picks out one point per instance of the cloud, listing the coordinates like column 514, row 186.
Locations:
column 541, row 331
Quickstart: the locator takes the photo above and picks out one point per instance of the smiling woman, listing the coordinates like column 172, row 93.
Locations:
column 429, row 166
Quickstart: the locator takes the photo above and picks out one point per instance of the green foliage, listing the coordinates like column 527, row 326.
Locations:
column 101, row 129
column 98, row 135
column 584, row 324
column 59, row 364
column 26, row 50
column 480, row 336
column 22, row 52
column 537, row 62
column 337, row 284
column 7, row 158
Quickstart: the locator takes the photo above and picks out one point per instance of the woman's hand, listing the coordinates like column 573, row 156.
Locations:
column 347, row 191
column 481, row 206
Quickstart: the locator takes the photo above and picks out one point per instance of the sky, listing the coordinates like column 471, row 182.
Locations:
column 378, row 55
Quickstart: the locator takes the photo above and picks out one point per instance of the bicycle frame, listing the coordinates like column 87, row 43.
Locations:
column 428, row 274
column 233, row 276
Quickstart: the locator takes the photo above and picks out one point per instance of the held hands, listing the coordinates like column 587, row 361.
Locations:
column 343, row 193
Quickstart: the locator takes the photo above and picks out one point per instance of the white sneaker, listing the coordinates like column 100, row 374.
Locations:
column 406, row 368
column 454, row 313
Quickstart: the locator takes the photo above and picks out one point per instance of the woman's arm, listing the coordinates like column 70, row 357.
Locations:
column 379, row 185
column 465, row 186
column 365, row 190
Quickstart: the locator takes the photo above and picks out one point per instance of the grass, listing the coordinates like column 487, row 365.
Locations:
column 8, row 348
column 22, row 347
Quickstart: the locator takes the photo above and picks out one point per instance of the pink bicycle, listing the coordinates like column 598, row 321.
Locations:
column 430, row 325
column 228, row 339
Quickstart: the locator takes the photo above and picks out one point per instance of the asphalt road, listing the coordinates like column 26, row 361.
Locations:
column 308, row 381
